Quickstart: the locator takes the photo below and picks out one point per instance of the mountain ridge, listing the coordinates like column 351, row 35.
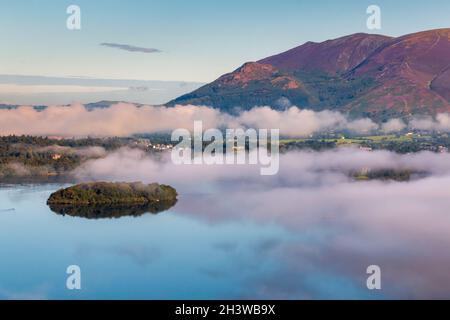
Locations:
column 361, row 74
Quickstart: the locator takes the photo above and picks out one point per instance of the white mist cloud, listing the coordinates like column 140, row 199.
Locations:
column 393, row 125
column 125, row 119
column 296, row 168
column 440, row 123
column 338, row 226
column 297, row 122
column 118, row 120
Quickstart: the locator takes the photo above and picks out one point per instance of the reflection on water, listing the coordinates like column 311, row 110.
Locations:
column 253, row 243
column 111, row 211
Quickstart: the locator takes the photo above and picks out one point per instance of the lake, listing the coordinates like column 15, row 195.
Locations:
column 205, row 247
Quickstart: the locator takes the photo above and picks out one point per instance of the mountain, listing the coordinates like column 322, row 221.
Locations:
column 103, row 104
column 360, row 74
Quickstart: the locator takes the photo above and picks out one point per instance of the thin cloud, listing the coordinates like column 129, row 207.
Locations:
column 130, row 48
column 124, row 119
column 344, row 225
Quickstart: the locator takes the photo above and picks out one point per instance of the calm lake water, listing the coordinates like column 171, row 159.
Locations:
column 182, row 254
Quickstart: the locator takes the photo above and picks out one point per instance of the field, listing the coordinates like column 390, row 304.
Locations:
column 405, row 143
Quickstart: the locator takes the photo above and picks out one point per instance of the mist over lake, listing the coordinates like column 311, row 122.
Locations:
column 233, row 153
column 308, row 233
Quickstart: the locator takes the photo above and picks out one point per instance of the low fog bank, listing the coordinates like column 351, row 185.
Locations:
column 297, row 169
column 127, row 119
column 339, row 226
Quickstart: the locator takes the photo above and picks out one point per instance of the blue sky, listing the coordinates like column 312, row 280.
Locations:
column 199, row 39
